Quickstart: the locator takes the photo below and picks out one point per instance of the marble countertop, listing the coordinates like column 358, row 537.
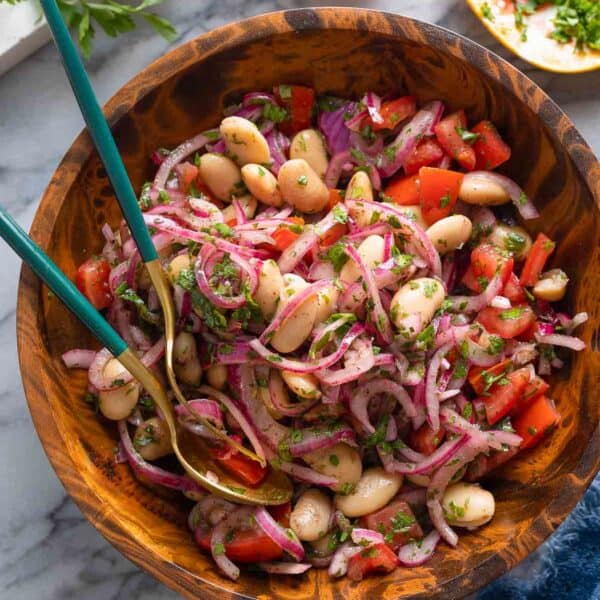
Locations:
column 47, row 549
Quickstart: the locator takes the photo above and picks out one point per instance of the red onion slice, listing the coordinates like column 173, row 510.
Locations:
column 209, row 409
column 379, row 317
column 566, row 341
column 296, row 301
column 309, row 366
column 420, row 125
column 335, row 167
column 319, row 439
column 176, row 156
column 307, row 475
column 363, row 361
column 339, row 563
column 432, row 394
column 283, row 537
column 241, row 420
column 398, row 220
column 284, row 568
column 78, row 358
column 523, row 204
column 151, row 473
column 366, row 537
column 169, row 226
column 476, row 303
column 359, row 401
column 440, row 481
column 238, row 518
column 416, row 553
column 96, row 370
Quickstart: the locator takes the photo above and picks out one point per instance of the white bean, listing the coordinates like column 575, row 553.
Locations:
column 280, row 391
column 262, row 184
column 270, row 287
column 311, row 515
column 340, row 461
column 468, row 505
column 296, row 327
column 308, row 144
column 359, row 187
column 186, row 363
column 412, row 212
column 450, row 233
column 216, row 375
column 221, row 175
column 414, row 304
column 248, row 204
column 512, row 238
column 551, row 286
column 180, row 263
column 302, row 187
column 244, row 141
column 152, row 439
column 305, row 385
column 371, row 251
column 327, row 303
column 118, row 403
column 479, row 190
column 373, row 491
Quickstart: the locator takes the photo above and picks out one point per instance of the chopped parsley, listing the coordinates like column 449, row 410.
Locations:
column 495, row 344
column 486, row 12
column 212, row 317
column 337, row 255
column 218, row 549
column 512, row 313
column 270, row 112
column 378, row 435
column 302, row 180
column 466, row 135
column 340, row 214
column 129, row 295
column 445, row 200
column 514, row 242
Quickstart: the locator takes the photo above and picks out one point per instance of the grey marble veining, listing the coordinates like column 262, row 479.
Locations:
column 47, row 550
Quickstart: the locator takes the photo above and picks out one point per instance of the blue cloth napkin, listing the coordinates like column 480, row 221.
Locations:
column 566, row 567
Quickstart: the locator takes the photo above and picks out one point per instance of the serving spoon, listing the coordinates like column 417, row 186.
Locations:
column 109, row 154
column 191, row 452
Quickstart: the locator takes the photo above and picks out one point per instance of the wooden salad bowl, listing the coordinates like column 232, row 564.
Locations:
column 344, row 52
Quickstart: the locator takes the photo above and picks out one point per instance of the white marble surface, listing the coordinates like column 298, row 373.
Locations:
column 47, row 550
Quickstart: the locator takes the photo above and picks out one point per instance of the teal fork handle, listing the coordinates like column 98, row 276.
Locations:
column 99, row 130
column 59, row 283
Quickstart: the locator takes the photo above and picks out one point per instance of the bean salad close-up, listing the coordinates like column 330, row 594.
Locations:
column 359, row 303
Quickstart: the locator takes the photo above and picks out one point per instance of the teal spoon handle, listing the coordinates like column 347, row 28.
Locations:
column 56, row 280
column 99, row 130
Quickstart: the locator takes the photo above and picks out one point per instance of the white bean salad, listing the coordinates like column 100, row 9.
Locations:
column 360, row 304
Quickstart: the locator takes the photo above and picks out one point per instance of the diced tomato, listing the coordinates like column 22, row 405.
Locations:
column 483, row 464
column 438, row 192
column 251, row 545
column 333, row 234
column 425, row 440
column 187, row 173
column 397, row 518
column 379, row 558
column 300, row 101
column 490, row 149
column 285, row 236
column 535, row 388
column 487, row 261
column 513, row 290
column 248, row 471
column 335, row 197
column 403, row 190
column 394, row 112
column 504, row 394
column 507, row 323
column 478, row 375
column 427, row 152
column 536, row 421
column 451, row 141
column 536, row 259
column 92, row 281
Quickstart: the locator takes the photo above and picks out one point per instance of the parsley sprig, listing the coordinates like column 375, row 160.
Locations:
column 114, row 18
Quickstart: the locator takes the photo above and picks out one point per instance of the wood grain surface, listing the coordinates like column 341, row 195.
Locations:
column 344, row 52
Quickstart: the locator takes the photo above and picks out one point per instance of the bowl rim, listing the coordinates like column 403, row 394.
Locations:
column 169, row 65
